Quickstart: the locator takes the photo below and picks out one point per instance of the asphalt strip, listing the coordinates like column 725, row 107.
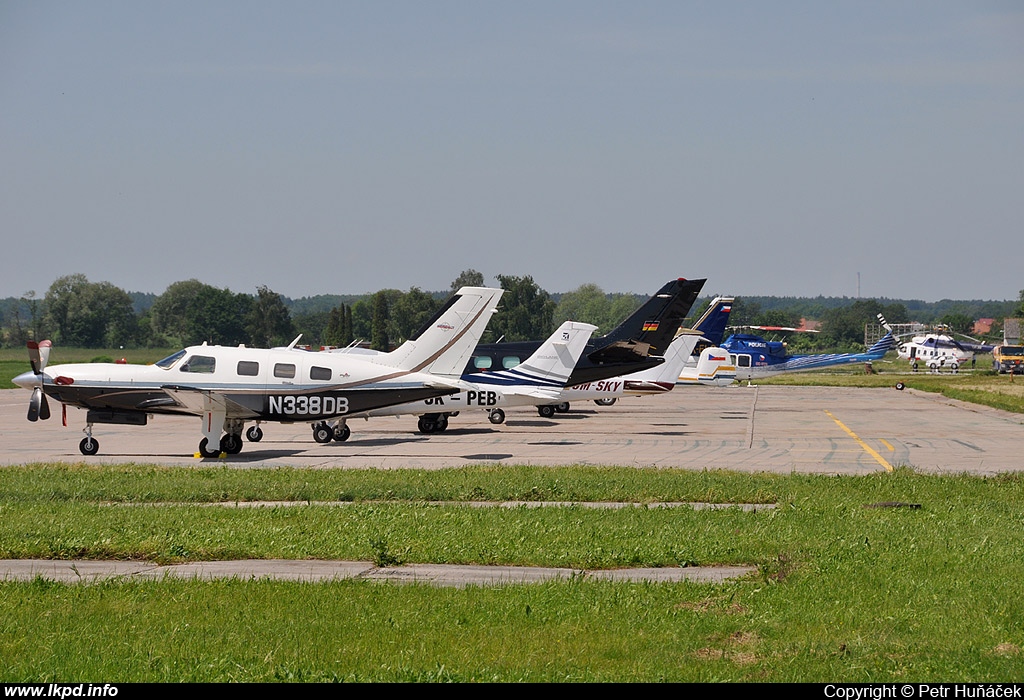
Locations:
column 311, row 571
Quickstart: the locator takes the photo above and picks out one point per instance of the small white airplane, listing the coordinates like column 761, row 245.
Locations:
column 536, row 381
column 229, row 386
column 656, row 380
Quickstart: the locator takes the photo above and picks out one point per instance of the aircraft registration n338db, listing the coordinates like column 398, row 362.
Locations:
column 229, row 386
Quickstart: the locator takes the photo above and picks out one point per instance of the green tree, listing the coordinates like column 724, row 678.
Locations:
column 843, row 328
column 268, row 323
column 526, row 311
column 379, row 327
column 468, row 278
column 744, row 312
column 58, row 300
column 217, row 316
column 90, row 315
column 410, row 311
column 587, row 304
column 339, row 326
column 958, row 322
column 170, row 310
column 777, row 317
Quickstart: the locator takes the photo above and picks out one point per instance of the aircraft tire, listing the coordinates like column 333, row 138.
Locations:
column 562, row 407
column 900, row 386
column 546, row 411
column 426, row 425
column 322, row 433
column 231, row 444
column 204, row 450
column 342, row 433
column 89, row 446
column 604, row 402
column 254, row 433
column 442, row 424
column 497, row 416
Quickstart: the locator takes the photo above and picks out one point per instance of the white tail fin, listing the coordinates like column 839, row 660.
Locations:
column 557, row 356
column 678, row 352
column 714, row 367
column 445, row 343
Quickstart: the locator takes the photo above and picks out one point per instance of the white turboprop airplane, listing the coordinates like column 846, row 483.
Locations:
column 537, row 380
column 228, row 386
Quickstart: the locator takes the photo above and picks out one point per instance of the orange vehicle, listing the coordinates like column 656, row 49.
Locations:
column 1008, row 358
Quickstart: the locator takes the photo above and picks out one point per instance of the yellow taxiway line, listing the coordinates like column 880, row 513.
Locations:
column 866, row 447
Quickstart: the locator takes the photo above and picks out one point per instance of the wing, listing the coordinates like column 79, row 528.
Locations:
column 200, row 401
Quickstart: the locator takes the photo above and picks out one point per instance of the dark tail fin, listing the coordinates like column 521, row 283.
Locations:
column 712, row 324
column 656, row 322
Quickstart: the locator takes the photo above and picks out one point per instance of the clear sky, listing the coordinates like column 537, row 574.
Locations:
column 776, row 148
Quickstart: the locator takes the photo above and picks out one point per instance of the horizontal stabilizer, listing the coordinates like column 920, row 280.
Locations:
column 621, row 351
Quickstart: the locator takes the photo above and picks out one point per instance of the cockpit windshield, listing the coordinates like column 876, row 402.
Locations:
column 170, row 360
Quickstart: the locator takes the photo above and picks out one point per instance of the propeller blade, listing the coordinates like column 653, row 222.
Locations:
column 35, row 404
column 44, row 406
column 44, row 353
column 38, row 354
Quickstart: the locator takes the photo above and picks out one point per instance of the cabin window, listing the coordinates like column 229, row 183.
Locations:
column 482, row 362
column 509, row 362
column 169, row 361
column 247, row 368
column 284, row 371
column 200, row 364
column 743, row 360
column 321, row 374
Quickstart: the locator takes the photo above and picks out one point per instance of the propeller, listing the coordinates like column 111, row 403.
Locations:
column 38, row 355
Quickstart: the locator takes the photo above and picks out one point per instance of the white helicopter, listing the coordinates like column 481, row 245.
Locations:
column 939, row 350
column 229, row 386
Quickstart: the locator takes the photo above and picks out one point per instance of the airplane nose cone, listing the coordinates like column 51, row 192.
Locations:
column 26, row 380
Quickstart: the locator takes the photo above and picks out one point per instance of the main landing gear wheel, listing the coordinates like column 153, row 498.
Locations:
column 323, row 433
column 426, row 425
column 546, row 411
column 205, row 451
column 604, row 402
column 89, row 446
column 231, row 444
column 562, row 407
column 442, row 424
column 497, row 416
column 342, row 433
column 254, row 434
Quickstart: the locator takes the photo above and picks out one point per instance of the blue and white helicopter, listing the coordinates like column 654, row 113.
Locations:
column 756, row 357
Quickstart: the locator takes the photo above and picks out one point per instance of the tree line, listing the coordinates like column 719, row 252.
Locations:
column 79, row 313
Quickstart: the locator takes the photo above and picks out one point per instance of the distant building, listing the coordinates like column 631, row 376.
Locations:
column 1011, row 331
column 806, row 325
column 983, row 326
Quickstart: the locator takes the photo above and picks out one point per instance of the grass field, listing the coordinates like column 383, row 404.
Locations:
column 845, row 591
column 892, row 577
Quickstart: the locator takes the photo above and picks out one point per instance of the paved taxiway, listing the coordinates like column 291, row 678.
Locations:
column 748, row 428
column 778, row 429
